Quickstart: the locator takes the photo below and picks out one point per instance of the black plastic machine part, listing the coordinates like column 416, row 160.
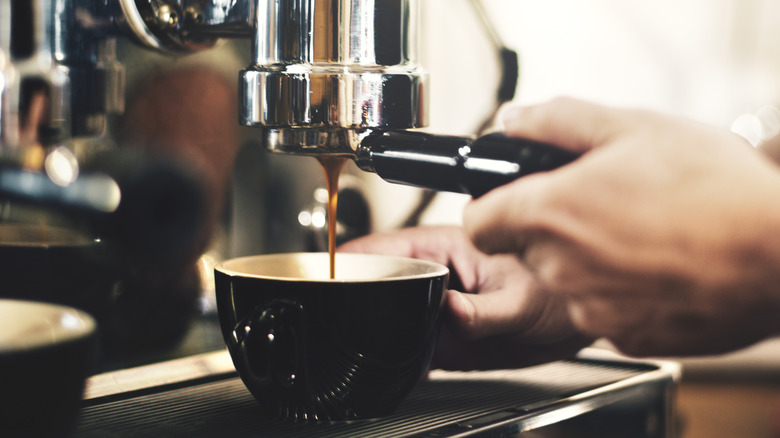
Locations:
column 457, row 164
column 159, row 216
column 163, row 205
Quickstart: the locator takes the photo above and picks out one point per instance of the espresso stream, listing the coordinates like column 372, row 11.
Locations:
column 332, row 167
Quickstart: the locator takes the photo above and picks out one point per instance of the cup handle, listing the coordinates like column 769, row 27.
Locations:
column 271, row 340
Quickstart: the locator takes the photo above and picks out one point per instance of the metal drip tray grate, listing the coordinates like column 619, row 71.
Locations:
column 448, row 404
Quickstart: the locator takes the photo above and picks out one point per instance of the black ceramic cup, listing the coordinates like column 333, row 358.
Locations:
column 56, row 265
column 314, row 349
column 46, row 353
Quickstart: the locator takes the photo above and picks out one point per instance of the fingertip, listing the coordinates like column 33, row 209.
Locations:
column 354, row 246
column 492, row 221
column 510, row 117
column 379, row 243
column 473, row 222
column 563, row 121
column 461, row 312
column 533, row 121
column 477, row 224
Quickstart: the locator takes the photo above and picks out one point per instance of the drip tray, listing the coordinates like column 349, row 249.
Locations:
column 484, row 403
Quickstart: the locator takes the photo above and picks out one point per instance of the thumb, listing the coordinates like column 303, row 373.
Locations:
column 518, row 307
column 572, row 124
column 474, row 316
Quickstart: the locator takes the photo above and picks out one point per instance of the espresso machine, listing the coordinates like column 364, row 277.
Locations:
column 330, row 78
column 327, row 78
column 337, row 78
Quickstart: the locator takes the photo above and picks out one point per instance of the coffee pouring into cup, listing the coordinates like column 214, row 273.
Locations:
column 310, row 347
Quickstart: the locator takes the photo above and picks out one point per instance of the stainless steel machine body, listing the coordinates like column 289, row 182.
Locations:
column 335, row 69
column 322, row 72
column 325, row 75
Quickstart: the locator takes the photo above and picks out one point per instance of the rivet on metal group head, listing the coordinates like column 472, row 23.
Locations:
column 194, row 14
column 167, row 15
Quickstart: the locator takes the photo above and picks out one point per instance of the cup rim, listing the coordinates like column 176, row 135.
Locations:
column 18, row 235
column 432, row 269
column 40, row 325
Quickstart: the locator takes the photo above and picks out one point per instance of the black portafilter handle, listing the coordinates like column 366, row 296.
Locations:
column 457, row 164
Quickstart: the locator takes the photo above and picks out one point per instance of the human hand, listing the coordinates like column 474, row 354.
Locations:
column 499, row 319
column 662, row 236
